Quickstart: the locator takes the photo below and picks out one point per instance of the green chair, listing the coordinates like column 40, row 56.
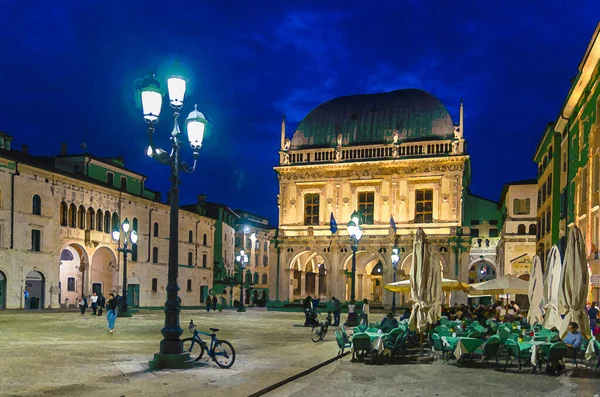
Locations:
column 503, row 333
column 556, row 354
column 393, row 341
column 343, row 341
column 491, row 348
column 361, row 346
column 512, row 347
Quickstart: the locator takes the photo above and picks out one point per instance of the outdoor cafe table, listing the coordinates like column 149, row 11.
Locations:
column 534, row 345
column 376, row 340
column 462, row 345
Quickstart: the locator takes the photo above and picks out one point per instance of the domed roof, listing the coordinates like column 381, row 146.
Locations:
column 373, row 118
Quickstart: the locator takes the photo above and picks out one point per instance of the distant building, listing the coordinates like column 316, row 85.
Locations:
column 56, row 218
column 517, row 245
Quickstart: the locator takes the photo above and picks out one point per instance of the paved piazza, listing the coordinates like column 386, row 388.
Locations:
column 65, row 354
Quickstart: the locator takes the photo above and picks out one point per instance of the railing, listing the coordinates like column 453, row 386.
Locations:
column 368, row 152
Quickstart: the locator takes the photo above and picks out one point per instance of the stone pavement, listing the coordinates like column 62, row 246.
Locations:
column 66, row 354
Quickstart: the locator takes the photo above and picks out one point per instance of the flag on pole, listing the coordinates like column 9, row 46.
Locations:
column 393, row 224
column 332, row 224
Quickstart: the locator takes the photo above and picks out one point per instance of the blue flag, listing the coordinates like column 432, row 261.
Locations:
column 393, row 224
column 332, row 224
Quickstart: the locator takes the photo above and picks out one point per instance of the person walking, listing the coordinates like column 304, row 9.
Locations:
column 111, row 312
column 214, row 303
column 94, row 299
column 593, row 313
column 337, row 311
column 208, row 303
column 101, row 304
column 82, row 304
column 365, row 311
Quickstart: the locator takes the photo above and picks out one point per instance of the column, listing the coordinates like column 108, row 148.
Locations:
column 359, row 293
column 302, row 284
column 317, row 285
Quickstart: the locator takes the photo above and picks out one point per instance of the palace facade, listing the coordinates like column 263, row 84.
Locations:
column 396, row 157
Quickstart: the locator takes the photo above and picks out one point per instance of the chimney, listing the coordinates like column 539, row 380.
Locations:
column 63, row 149
column 201, row 199
column 25, row 149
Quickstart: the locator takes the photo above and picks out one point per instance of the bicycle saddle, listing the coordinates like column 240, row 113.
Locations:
column 214, row 329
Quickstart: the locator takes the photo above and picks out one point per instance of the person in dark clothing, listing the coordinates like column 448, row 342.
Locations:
column 101, row 304
column 337, row 311
column 111, row 312
column 388, row 323
column 214, row 303
column 406, row 315
column 208, row 303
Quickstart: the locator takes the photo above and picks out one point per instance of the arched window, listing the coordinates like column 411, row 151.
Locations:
column 264, row 278
column 99, row 221
column 134, row 247
column 204, row 239
column 204, row 260
column 521, row 229
column 248, row 277
column 256, row 279
column 265, row 246
column 91, row 218
column 265, row 260
column 256, row 262
column 248, row 243
column 135, row 224
column 72, row 216
column 155, row 234
column 190, row 237
column 81, row 217
column 190, row 259
column 107, row 222
column 36, row 205
column 532, row 229
column 64, row 214
column 115, row 221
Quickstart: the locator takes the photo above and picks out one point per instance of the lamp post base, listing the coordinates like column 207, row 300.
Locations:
column 172, row 361
column 241, row 309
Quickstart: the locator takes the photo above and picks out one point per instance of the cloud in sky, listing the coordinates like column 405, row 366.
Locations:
column 67, row 69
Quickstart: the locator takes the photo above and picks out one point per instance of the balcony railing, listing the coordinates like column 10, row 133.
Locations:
column 372, row 152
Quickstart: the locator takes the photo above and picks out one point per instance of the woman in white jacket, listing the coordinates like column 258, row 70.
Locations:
column 365, row 313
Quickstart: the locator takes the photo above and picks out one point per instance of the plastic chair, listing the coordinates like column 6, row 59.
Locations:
column 361, row 346
column 514, row 351
column 342, row 341
column 491, row 348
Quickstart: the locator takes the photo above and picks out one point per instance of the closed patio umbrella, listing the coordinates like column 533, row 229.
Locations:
column 419, row 283
column 536, row 292
column 574, row 285
column 435, row 288
column 551, row 289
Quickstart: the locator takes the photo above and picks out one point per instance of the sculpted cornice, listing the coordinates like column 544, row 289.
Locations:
column 373, row 169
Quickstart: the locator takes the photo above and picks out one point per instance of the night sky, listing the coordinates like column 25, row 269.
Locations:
column 67, row 71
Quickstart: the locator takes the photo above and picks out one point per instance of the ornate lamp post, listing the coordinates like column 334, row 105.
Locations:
column 396, row 253
column 171, row 353
column 128, row 235
column 355, row 233
column 242, row 259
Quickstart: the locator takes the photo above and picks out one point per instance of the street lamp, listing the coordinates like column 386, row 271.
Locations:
column 242, row 259
column 129, row 235
column 171, row 353
column 355, row 233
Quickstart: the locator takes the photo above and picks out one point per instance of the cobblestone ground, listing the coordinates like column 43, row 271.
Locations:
column 67, row 354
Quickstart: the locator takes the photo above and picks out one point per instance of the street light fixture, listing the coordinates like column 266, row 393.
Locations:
column 171, row 353
column 242, row 259
column 128, row 236
column 355, row 233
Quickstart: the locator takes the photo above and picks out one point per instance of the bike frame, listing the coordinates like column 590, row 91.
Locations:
column 213, row 339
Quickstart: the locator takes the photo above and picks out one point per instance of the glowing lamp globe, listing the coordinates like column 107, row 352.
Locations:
column 176, row 86
column 195, row 125
column 151, row 99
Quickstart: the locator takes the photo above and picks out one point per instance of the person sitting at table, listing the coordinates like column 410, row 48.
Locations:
column 573, row 339
column 405, row 315
column 388, row 323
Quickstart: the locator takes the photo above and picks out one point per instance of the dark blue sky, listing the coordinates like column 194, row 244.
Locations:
column 67, row 69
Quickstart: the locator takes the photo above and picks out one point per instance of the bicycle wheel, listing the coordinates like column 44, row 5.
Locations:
column 223, row 354
column 195, row 349
column 315, row 334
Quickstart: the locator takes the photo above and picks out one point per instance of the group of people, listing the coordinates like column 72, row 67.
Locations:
column 211, row 302
column 499, row 311
column 98, row 303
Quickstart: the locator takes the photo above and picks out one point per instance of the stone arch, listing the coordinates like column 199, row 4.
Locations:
column 104, row 274
column 3, row 289
column 368, row 285
column 475, row 274
column 73, row 273
column 34, row 289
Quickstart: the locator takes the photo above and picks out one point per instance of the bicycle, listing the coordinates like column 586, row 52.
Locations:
column 221, row 351
column 319, row 331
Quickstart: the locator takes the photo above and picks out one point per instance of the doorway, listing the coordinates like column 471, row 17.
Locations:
column 34, row 288
column 2, row 291
column 97, row 288
column 133, row 295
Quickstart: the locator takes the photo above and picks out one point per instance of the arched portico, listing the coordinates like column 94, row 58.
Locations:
column 308, row 276
column 371, row 270
column 104, row 273
column 73, row 273
column 34, row 290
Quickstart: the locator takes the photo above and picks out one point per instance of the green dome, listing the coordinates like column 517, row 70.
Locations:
column 373, row 118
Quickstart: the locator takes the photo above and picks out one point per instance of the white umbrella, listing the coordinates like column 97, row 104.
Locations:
column 536, row 292
column 552, row 288
column 574, row 285
column 435, row 287
column 447, row 285
column 507, row 284
column 419, row 276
